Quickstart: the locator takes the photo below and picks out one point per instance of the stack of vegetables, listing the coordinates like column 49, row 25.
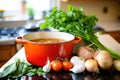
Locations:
column 86, row 59
column 92, row 57
column 76, row 22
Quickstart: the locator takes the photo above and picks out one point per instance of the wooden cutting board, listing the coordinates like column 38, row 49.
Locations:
column 109, row 42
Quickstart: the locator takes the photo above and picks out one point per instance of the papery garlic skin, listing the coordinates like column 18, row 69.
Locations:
column 78, row 68
column 78, row 63
column 47, row 67
column 77, row 60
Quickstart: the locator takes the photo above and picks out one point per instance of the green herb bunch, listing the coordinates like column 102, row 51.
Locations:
column 74, row 21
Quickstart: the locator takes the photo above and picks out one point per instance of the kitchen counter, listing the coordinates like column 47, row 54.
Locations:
column 65, row 75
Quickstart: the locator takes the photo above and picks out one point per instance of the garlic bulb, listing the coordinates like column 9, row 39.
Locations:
column 47, row 67
column 77, row 60
column 78, row 68
column 78, row 63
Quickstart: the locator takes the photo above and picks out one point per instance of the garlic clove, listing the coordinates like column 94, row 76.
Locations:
column 47, row 67
column 77, row 60
column 78, row 68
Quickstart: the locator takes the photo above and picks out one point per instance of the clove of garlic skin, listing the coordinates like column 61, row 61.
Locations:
column 78, row 63
column 77, row 60
column 47, row 67
column 78, row 68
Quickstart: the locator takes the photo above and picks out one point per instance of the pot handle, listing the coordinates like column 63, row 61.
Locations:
column 77, row 39
column 19, row 39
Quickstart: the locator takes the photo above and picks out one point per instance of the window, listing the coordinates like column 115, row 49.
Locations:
column 18, row 7
column 11, row 7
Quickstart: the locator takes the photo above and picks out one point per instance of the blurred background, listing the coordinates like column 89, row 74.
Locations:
column 18, row 17
column 20, row 10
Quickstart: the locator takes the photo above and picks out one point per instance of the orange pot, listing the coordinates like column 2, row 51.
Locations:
column 37, row 53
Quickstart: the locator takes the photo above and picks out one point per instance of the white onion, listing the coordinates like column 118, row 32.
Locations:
column 104, row 59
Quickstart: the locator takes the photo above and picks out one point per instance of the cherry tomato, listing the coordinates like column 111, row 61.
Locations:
column 56, row 65
column 67, row 65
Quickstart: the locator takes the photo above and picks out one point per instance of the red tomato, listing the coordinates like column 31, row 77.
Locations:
column 56, row 65
column 67, row 65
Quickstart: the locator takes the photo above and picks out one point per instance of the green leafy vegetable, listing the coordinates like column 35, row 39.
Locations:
column 9, row 69
column 34, row 71
column 20, row 68
column 75, row 21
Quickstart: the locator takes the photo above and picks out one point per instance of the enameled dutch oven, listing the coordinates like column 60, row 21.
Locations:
column 37, row 53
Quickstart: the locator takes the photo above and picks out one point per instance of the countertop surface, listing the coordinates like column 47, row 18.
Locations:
column 64, row 75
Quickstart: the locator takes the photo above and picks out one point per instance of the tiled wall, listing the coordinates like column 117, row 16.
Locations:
column 106, row 11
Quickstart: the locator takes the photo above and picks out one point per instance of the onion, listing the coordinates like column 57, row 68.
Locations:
column 116, row 64
column 104, row 59
column 85, row 52
column 91, row 65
